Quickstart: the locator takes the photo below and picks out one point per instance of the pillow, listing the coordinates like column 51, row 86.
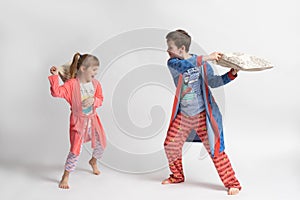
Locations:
column 64, row 71
column 245, row 62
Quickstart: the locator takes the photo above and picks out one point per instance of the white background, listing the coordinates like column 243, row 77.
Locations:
column 262, row 108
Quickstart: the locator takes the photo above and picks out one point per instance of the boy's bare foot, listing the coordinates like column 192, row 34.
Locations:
column 93, row 163
column 64, row 181
column 172, row 180
column 233, row 191
column 166, row 181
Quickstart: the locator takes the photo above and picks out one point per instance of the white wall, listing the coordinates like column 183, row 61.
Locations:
column 38, row 34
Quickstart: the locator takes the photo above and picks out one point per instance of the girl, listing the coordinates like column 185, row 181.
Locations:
column 84, row 94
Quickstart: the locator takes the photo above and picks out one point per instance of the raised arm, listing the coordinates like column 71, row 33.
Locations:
column 57, row 90
column 219, row 80
column 180, row 65
column 62, row 91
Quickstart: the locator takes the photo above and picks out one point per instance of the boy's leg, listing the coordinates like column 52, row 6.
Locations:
column 97, row 154
column 176, row 136
column 226, row 173
column 222, row 163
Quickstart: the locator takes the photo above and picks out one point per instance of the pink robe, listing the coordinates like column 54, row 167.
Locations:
column 70, row 91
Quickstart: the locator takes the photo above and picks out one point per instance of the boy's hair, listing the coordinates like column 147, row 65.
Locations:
column 69, row 70
column 180, row 38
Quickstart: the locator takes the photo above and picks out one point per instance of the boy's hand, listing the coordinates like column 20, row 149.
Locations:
column 53, row 70
column 88, row 102
column 234, row 71
column 213, row 56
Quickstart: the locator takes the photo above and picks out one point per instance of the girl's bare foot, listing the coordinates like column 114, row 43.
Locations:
column 64, row 181
column 93, row 163
column 233, row 191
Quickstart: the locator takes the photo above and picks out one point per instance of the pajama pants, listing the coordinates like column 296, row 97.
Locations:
column 72, row 159
column 177, row 135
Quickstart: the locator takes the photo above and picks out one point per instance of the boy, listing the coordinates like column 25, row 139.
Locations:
column 195, row 108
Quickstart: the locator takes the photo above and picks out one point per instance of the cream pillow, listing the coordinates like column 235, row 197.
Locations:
column 243, row 62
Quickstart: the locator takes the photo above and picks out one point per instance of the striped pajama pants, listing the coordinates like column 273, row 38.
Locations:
column 72, row 159
column 177, row 135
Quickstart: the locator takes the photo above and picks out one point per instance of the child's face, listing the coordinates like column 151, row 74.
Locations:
column 90, row 72
column 173, row 50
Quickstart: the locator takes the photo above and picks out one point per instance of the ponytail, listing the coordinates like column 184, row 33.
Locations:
column 70, row 70
column 74, row 66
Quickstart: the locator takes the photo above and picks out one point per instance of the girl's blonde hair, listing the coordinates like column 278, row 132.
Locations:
column 69, row 70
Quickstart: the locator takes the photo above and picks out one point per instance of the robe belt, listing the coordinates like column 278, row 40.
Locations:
column 83, row 118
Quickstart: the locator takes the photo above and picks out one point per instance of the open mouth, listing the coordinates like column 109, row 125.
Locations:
column 171, row 54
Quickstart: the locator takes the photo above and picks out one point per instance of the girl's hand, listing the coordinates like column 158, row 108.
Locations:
column 88, row 102
column 53, row 70
column 215, row 56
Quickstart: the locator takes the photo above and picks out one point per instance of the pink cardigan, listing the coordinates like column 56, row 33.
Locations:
column 70, row 91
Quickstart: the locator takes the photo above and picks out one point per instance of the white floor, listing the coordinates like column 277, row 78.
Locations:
column 263, row 173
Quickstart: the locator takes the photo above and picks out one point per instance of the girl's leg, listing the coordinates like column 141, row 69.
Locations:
column 221, row 162
column 97, row 154
column 71, row 162
column 70, row 166
column 176, row 136
column 98, row 151
column 64, row 180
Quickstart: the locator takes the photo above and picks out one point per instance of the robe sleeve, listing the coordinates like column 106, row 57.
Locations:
column 179, row 65
column 62, row 91
column 98, row 98
column 217, row 80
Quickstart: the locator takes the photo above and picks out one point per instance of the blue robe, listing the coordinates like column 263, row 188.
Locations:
column 213, row 115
